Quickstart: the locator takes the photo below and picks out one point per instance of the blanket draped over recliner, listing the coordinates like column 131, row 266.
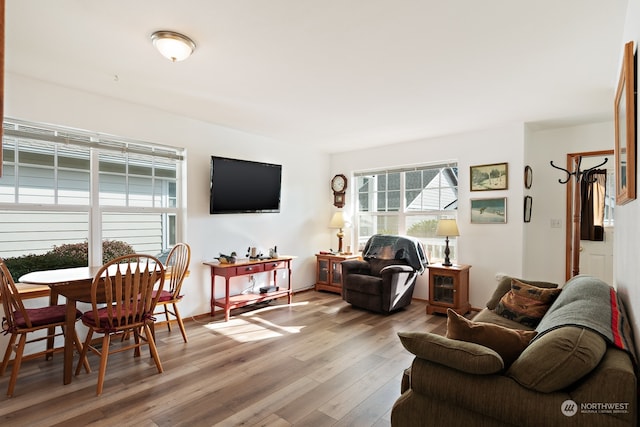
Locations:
column 590, row 303
column 387, row 246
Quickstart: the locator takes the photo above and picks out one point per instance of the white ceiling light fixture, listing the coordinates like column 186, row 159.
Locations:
column 173, row 46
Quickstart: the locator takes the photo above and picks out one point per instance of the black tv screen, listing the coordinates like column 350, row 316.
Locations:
column 243, row 186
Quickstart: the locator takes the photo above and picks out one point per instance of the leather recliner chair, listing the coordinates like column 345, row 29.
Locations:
column 384, row 280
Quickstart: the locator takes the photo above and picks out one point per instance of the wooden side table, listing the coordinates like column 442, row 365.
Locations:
column 329, row 272
column 448, row 288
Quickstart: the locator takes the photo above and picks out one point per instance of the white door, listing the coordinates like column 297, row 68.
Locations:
column 596, row 258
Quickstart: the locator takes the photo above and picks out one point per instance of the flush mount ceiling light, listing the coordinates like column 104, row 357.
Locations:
column 173, row 46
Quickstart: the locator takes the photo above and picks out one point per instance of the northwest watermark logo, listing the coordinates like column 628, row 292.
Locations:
column 569, row 408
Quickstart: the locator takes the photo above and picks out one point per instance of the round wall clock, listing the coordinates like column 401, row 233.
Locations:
column 339, row 183
column 339, row 186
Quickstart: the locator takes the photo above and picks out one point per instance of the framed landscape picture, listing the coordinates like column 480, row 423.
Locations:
column 489, row 177
column 489, row 211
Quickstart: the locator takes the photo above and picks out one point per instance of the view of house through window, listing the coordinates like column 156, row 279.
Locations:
column 407, row 201
column 65, row 187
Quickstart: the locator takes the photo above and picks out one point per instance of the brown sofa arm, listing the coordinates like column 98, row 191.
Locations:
column 478, row 399
column 613, row 380
column 498, row 397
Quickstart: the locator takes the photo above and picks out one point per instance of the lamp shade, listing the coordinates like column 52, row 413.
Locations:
column 173, row 46
column 447, row 227
column 339, row 220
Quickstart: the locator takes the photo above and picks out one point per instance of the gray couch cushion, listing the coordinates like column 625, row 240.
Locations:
column 558, row 359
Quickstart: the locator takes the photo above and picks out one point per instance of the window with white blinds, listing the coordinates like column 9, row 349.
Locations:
column 57, row 181
column 407, row 201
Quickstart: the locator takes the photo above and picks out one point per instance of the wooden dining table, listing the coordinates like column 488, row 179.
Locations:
column 75, row 285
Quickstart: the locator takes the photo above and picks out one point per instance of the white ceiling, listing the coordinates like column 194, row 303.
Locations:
column 338, row 74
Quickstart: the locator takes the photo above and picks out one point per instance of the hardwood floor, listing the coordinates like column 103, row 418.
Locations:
column 318, row 362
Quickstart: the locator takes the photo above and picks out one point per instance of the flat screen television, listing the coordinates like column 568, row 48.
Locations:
column 243, row 186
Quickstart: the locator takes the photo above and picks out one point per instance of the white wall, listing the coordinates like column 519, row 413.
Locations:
column 627, row 243
column 488, row 248
column 534, row 250
column 299, row 229
column 544, row 244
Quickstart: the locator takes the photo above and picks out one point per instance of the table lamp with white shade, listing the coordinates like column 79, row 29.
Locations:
column 447, row 228
column 339, row 220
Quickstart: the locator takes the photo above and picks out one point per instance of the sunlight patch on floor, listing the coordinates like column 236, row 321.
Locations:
column 250, row 326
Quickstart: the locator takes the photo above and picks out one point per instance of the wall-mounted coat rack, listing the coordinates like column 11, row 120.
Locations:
column 585, row 174
column 574, row 231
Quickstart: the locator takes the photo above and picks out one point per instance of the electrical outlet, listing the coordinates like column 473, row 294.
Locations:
column 556, row 223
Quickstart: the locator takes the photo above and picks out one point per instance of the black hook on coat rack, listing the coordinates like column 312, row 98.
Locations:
column 585, row 174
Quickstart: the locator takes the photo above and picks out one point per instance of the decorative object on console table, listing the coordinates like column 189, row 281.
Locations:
column 228, row 259
column 447, row 228
column 273, row 252
column 243, row 268
column 339, row 187
column 448, row 288
column 329, row 272
column 339, row 220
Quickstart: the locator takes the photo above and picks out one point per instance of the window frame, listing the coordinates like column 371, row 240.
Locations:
column 171, row 204
column 403, row 214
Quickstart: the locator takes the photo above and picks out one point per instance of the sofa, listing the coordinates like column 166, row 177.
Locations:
column 536, row 355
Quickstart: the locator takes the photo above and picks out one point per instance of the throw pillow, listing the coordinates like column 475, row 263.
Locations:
column 558, row 358
column 504, row 286
column 508, row 343
column 525, row 303
column 462, row 356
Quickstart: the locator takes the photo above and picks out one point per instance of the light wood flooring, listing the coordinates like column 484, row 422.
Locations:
column 318, row 362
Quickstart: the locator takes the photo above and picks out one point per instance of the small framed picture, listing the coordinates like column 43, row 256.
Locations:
column 528, row 177
column 528, row 204
column 489, row 177
column 489, row 211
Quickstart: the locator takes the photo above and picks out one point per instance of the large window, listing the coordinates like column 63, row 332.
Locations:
column 407, row 201
column 68, row 186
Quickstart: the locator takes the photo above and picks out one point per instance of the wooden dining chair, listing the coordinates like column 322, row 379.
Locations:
column 21, row 322
column 124, row 294
column 177, row 265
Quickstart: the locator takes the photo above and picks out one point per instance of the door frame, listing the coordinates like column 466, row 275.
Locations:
column 572, row 238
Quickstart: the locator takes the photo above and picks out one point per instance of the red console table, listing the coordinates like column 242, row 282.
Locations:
column 244, row 268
